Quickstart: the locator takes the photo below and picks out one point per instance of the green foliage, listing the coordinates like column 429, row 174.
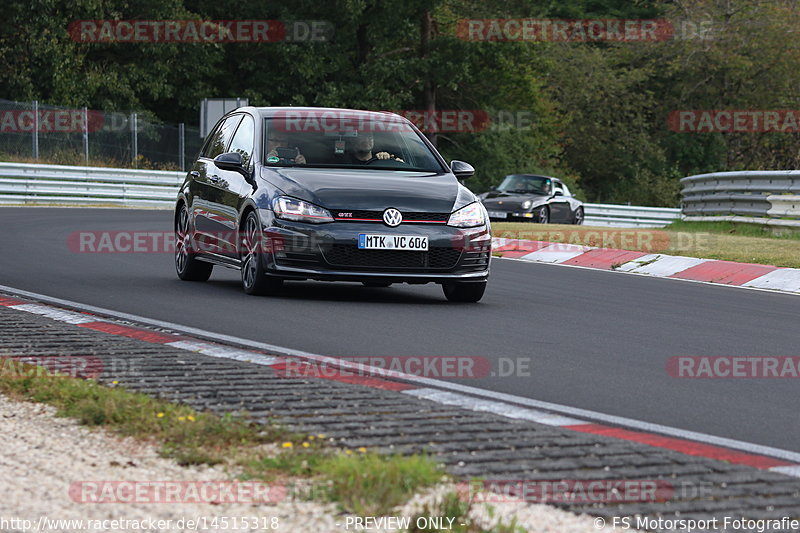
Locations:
column 371, row 484
column 600, row 110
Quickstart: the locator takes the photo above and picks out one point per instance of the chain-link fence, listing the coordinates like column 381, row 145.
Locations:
column 50, row 134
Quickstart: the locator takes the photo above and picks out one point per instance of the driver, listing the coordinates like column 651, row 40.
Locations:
column 280, row 139
column 360, row 152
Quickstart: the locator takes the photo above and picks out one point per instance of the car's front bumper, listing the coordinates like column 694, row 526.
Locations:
column 330, row 252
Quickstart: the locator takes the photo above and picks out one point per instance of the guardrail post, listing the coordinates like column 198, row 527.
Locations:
column 86, row 134
column 35, row 139
column 181, row 147
column 134, row 139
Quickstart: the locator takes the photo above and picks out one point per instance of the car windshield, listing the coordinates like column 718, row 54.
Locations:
column 346, row 140
column 526, row 184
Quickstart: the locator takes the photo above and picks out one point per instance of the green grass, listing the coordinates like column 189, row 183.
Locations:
column 184, row 434
column 737, row 228
column 360, row 481
column 746, row 243
column 372, row 485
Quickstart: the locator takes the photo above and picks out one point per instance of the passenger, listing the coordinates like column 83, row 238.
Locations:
column 280, row 139
column 360, row 152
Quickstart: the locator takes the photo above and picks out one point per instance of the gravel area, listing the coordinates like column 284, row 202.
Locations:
column 44, row 456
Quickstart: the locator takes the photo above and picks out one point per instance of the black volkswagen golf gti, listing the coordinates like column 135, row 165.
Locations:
column 332, row 195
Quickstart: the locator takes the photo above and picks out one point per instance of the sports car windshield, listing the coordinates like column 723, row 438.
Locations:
column 371, row 140
column 526, row 185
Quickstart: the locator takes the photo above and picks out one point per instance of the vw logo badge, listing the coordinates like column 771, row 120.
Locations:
column 392, row 217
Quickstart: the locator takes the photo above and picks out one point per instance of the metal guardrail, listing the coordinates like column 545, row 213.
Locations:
column 629, row 216
column 32, row 184
column 770, row 197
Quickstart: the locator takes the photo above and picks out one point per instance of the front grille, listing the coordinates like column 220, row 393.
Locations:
column 342, row 255
column 377, row 216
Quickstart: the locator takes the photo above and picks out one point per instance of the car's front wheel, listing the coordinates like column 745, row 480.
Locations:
column 464, row 291
column 188, row 267
column 543, row 215
column 254, row 279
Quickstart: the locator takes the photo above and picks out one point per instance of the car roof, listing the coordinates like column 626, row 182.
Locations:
column 268, row 112
column 535, row 176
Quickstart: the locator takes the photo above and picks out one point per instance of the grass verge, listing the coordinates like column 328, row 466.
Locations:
column 359, row 481
column 727, row 241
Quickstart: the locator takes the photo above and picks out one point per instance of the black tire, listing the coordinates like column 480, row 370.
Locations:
column 579, row 216
column 376, row 284
column 188, row 267
column 254, row 279
column 543, row 215
column 464, row 291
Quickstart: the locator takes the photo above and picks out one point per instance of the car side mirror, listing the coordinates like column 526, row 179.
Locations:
column 461, row 169
column 230, row 161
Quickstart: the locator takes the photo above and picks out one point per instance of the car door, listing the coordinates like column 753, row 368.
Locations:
column 209, row 193
column 559, row 204
column 233, row 186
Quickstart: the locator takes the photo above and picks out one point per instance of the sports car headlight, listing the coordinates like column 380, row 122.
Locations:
column 293, row 209
column 527, row 204
column 468, row 216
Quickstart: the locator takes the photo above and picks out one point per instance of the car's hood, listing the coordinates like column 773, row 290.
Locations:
column 356, row 189
column 506, row 202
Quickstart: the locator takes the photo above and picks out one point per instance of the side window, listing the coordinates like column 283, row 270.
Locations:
column 243, row 140
column 221, row 136
column 558, row 187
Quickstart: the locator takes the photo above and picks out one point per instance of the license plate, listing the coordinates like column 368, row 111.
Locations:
column 498, row 214
column 392, row 242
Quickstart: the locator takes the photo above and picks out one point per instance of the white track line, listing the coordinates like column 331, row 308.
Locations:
column 638, row 425
column 56, row 314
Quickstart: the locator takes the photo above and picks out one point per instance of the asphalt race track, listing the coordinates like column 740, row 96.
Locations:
column 596, row 340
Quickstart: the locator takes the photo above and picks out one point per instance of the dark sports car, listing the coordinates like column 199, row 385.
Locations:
column 333, row 195
column 532, row 198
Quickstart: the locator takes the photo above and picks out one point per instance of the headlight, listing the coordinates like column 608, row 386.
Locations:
column 527, row 204
column 468, row 216
column 293, row 209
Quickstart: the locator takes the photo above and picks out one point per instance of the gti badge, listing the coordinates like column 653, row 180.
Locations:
column 392, row 217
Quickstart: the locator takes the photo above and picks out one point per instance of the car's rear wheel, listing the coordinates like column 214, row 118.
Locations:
column 543, row 215
column 579, row 216
column 376, row 284
column 464, row 291
column 254, row 279
column 188, row 267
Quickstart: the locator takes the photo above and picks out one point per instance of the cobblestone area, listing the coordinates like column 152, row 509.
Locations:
column 470, row 444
